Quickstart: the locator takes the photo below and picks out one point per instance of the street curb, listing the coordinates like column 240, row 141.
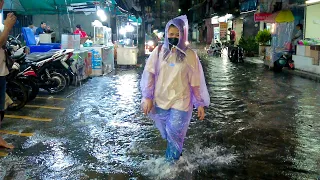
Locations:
column 303, row 74
column 297, row 72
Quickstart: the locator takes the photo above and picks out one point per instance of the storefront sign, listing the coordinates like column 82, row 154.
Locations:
column 261, row 16
column 223, row 30
column 215, row 20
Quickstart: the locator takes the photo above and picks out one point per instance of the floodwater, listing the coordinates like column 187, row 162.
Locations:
column 260, row 125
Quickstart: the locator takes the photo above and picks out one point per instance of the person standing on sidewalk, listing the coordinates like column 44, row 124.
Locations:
column 172, row 83
column 297, row 37
column 8, row 24
column 232, row 36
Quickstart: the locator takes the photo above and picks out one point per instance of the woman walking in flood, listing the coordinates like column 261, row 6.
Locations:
column 172, row 83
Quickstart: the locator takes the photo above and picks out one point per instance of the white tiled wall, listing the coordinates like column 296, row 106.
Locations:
column 305, row 64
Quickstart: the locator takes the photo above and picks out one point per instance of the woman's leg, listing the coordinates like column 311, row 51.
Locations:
column 176, row 128
column 3, row 143
column 160, row 118
column 2, row 96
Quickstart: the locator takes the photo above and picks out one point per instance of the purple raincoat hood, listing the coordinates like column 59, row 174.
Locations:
column 181, row 23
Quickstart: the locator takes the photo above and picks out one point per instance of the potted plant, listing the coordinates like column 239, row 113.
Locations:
column 263, row 38
column 249, row 45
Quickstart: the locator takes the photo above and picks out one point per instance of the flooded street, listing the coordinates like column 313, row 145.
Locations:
column 260, row 125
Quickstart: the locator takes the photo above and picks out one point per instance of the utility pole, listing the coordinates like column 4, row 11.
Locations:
column 141, row 45
column 160, row 14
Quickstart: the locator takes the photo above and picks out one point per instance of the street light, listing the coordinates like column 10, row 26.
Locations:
column 122, row 31
column 102, row 15
column 312, row 1
column 129, row 28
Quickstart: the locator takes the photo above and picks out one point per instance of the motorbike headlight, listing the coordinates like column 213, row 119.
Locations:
column 150, row 43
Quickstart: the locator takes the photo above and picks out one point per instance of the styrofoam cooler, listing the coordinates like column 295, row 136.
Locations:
column 45, row 38
column 108, row 59
column 70, row 41
column 127, row 55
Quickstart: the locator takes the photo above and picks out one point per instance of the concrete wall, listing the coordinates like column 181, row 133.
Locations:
column 305, row 64
column 67, row 23
column 238, row 28
column 312, row 21
column 250, row 28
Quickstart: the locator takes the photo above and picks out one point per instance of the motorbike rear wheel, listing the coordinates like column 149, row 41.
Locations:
column 59, row 83
column 18, row 93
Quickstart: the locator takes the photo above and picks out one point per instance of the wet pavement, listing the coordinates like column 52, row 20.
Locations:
column 260, row 125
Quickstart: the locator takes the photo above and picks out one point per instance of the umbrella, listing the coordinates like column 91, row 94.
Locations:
column 280, row 17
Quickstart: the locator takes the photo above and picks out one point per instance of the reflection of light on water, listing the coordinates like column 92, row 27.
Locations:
column 307, row 125
column 126, row 88
column 55, row 160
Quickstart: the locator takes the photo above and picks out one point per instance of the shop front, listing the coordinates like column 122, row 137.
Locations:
column 281, row 27
column 308, row 50
column 91, row 58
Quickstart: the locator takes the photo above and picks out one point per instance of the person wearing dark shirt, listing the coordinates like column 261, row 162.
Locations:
column 31, row 26
column 43, row 29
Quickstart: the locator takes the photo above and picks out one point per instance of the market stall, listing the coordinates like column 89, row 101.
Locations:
column 102, row 51
column 308, row 50
column 282, row 26
column 127, row 45
column 81, row 65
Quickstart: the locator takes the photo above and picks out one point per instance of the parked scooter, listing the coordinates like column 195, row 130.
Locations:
column 236, row 54
column 29, row 82
column 64, row 67
column 39, row 68
column 215, row 49
column 16, row 89
column 284, row 61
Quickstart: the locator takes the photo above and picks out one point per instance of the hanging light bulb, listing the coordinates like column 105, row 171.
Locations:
column 122, row 31
column 102, row 15
column 129, row 28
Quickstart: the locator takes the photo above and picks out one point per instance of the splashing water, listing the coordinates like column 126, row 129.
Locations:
column 159, row 168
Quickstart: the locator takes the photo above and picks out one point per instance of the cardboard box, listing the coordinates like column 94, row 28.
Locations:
column 315, row 48
column 301, row 50
column 316, row 57
column 307, row 51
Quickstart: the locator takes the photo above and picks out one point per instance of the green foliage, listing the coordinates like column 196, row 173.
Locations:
column 249, row 45
column 263, row 37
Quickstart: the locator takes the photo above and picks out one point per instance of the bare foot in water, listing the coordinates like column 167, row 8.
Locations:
column 4, row 144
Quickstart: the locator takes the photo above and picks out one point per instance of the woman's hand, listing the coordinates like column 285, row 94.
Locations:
column 147, row 106
column 201, row 113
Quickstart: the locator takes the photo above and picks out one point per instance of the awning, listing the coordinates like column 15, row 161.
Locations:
column 280, row 17
column 31, row 7
column 134, row 19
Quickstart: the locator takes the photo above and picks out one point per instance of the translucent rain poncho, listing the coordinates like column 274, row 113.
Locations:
column 175, row 82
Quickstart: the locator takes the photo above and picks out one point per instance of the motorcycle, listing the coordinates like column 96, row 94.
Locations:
column 29, row 82
column 64, row 67
column 215, row 49
column 38, row 68
column 16, row 90
column 236, row 54
column 284, row 61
